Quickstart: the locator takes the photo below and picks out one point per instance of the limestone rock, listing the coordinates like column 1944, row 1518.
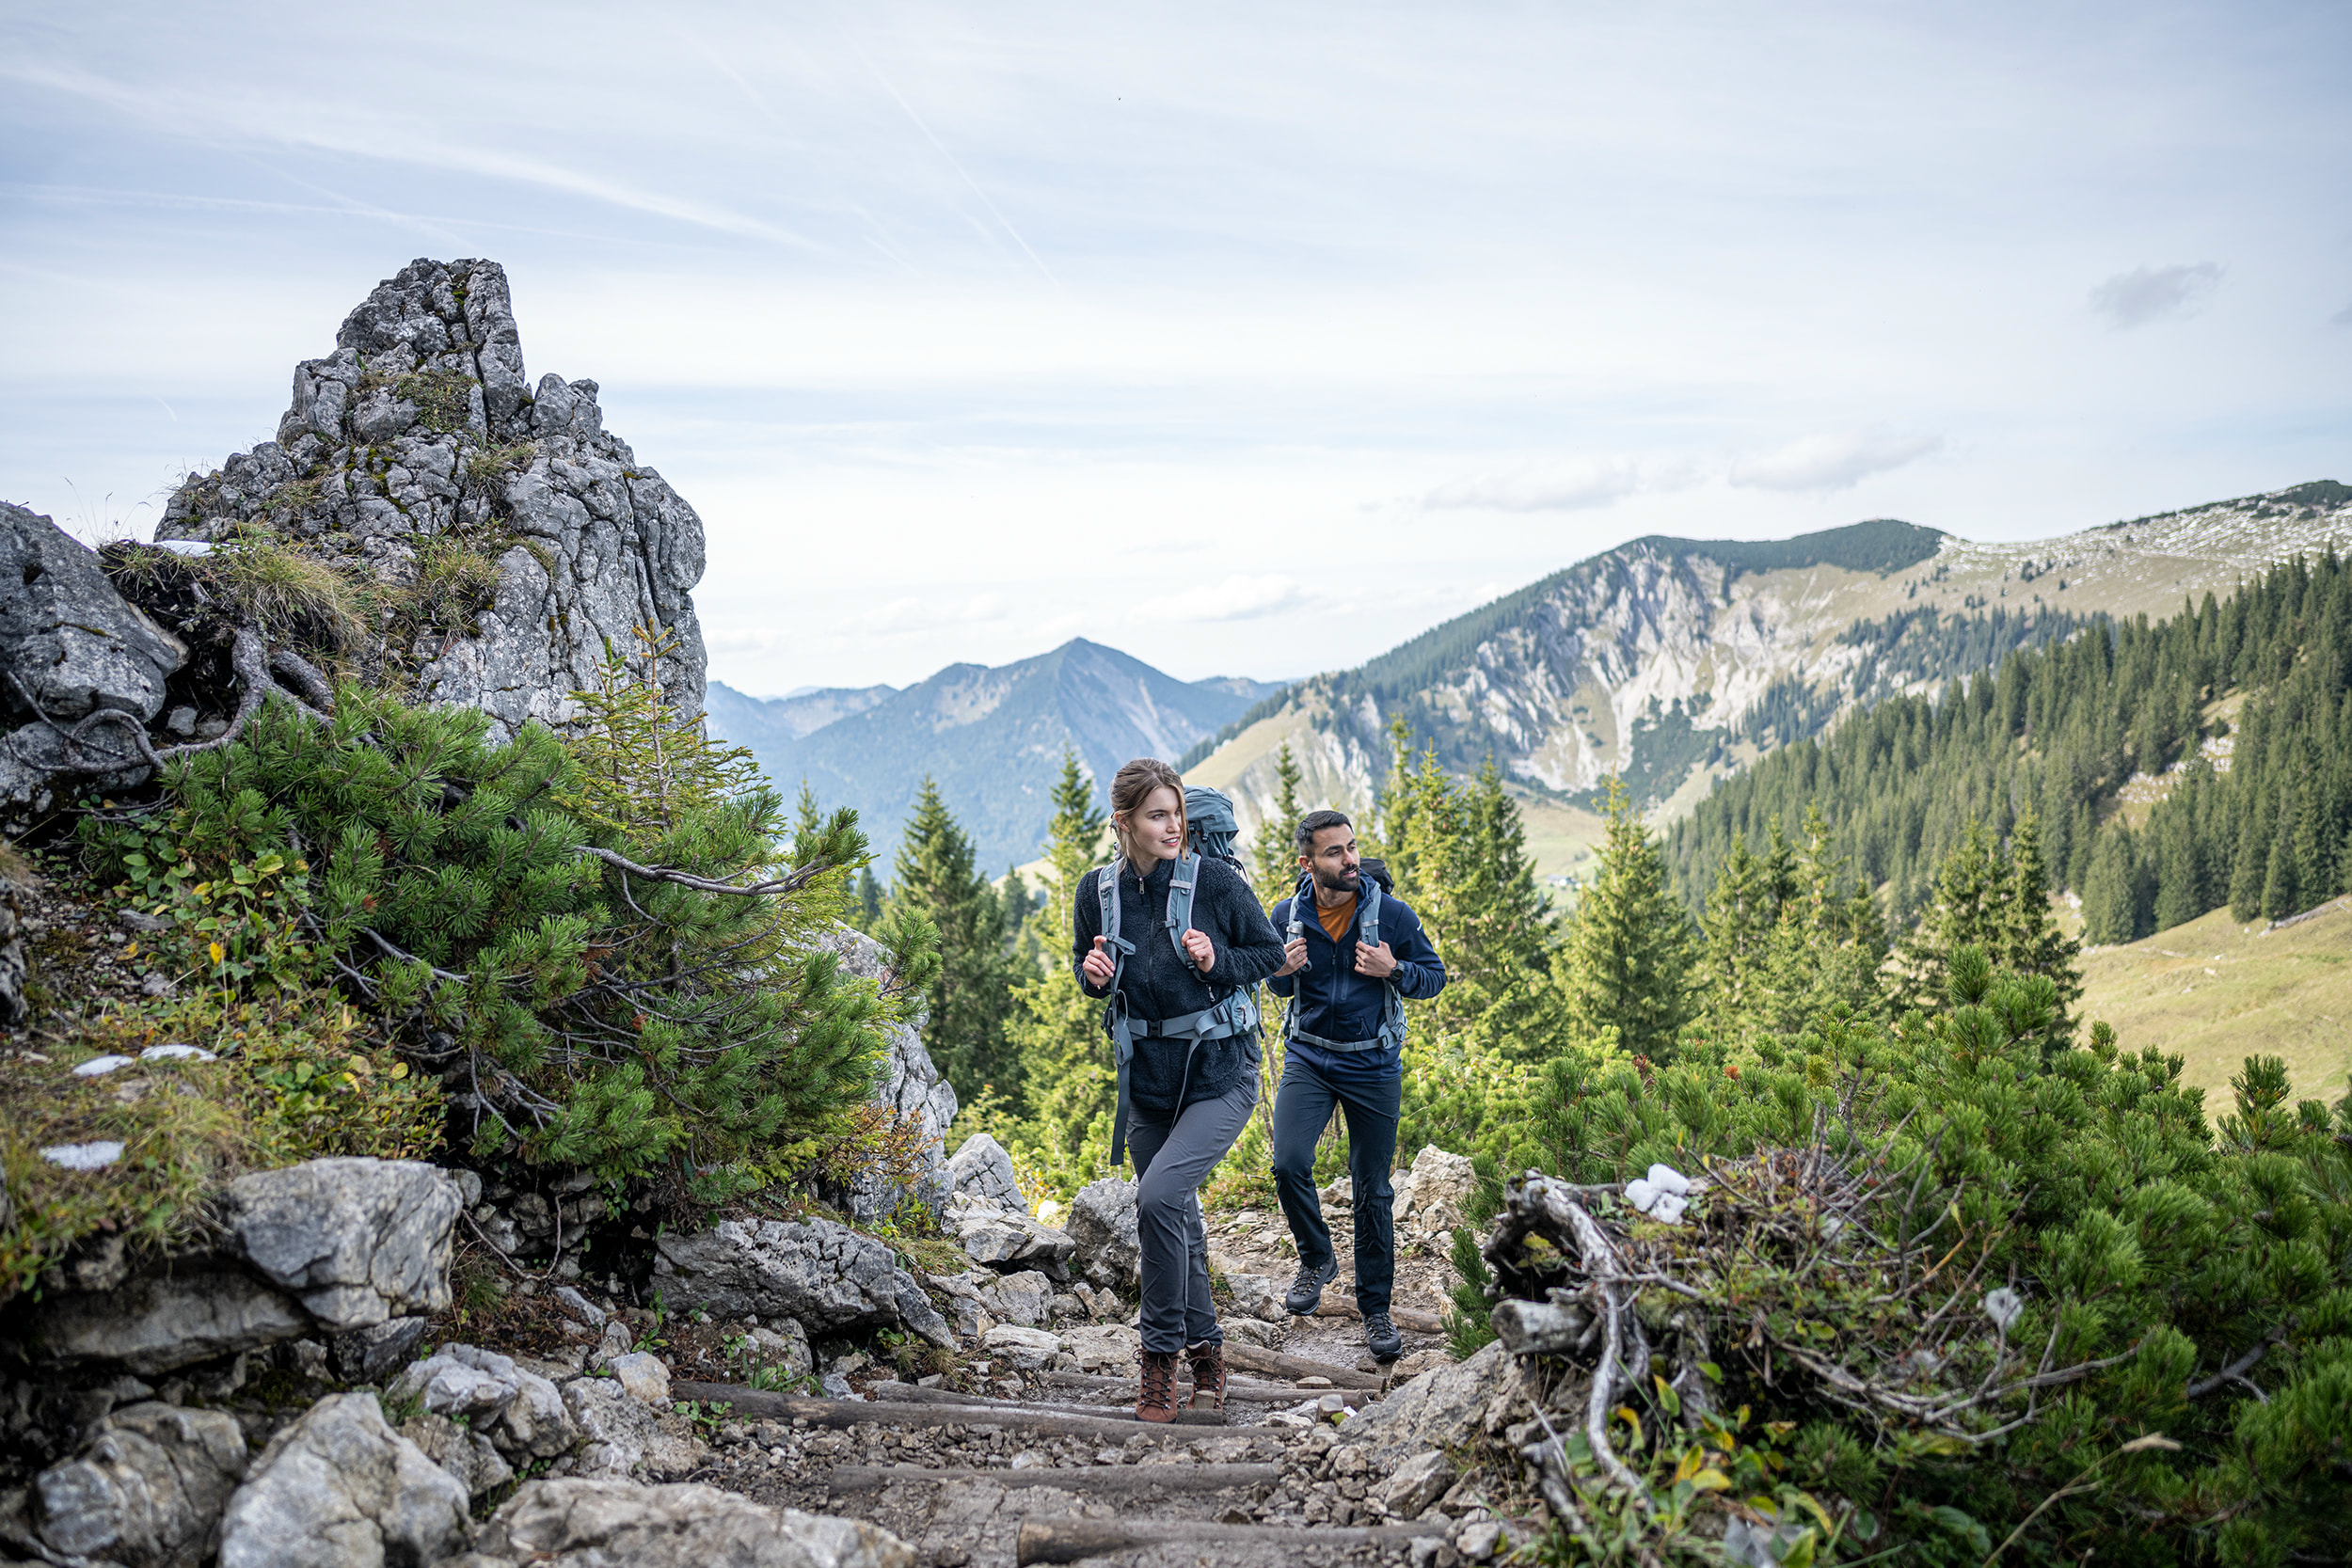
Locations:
column 1001, row 1234
column 626, row 1436
column 146, row 1493
column 1433, row 1411
column 422, row 428
column 1027, row 1349
column 1418, row 1482
column 642, row 1376
column 822, row 1276
column 1103, row 1224
column 1104, row 1347
column 603, row 1524
column 371, row 1353
column 983, row 1170
column 340, row 1488
column 161, row 1320
column 71, row 643
column 1442, row 1187
column 355, row 1241
column 520, row 1411
column 471, row 1458
column 784, row 1347
column 909, row 1086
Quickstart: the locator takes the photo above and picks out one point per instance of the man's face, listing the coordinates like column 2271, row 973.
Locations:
column 1334, row 859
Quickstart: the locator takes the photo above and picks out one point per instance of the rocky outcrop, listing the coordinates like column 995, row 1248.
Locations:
column 1434, row 1199
column 323, row 1248
column 602, row 1523
column 340, row 1487
column 626, row 1438
column 981, row 1168
column 147, row 1492
column 70, row 646
column 419, row 441
column 1440, row 1408
column 825, row 1276
column 1103, row 1224
column 908, row 1086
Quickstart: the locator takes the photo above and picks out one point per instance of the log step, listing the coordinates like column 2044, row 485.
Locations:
column 1118, row 1480
column 842, row 1413
column 1076, row 1540
column 1250, row 1359
column 1236, row 1389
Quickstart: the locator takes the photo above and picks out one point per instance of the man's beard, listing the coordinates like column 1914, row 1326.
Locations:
column 1333, row 884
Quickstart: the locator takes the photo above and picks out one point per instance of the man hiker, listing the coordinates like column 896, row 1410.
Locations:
column 1353, row 953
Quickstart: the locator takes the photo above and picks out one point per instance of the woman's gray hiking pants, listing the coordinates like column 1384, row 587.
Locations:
column 1172, row 1159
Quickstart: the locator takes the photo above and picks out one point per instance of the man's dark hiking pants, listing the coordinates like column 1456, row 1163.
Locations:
column 1302, row 1108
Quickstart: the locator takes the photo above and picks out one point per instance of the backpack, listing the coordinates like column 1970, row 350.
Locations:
column 1234, row 1013
column 1373, row 887
column 1210, row 825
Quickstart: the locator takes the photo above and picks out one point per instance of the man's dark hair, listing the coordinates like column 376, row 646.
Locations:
column 1313, row 823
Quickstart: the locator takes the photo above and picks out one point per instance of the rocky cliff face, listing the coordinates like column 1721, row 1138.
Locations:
column 420, row 451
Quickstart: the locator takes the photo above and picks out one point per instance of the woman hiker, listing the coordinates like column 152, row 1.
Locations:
column 1177, row 945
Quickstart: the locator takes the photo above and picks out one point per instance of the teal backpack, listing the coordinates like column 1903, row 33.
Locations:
column 1209, row 829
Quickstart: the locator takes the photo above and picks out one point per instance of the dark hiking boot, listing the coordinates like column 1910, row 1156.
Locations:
column 1307, row 1287
column 1157, row 1403
column 1381, row 1338
column 1208, row 1376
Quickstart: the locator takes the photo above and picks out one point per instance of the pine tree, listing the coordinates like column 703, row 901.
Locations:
column 1963, row 911
column 1274, row 851
column 1622, row 967
column 972, row 993
column 2031, row 943
column 1054, row 1027
column 868, row 913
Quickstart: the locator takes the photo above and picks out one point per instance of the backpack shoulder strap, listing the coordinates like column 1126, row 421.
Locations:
column 1368, row 921
column 1106, row 897
column 1183, row 882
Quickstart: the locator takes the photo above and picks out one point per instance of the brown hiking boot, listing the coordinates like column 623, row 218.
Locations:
column 1157, row 1401
column 1208, row 1376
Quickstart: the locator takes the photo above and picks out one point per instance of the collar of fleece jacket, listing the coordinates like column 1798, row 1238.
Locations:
column 1159, row 982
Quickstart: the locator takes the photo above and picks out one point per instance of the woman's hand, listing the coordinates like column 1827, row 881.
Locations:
column 1204, row 953
column 1099, row 967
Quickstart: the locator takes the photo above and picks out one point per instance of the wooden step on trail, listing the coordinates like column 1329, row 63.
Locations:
column 843, row 1414
column 1076, row 1540
column 1236, row 1389
column 1098, row 1480
column 1250, row 1359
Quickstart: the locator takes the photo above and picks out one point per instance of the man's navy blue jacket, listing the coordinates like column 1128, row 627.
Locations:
column 1341, row 1004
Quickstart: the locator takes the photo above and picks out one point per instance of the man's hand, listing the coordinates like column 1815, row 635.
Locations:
column 1098, row 966
column 1377, row 961
column 1294, row 956
column 1203, row 954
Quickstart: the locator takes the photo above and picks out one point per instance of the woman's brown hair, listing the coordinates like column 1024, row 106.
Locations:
column 1134, row 785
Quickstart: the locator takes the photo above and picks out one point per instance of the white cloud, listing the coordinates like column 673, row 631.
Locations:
column 1235, row 599
column 1832, row 461
column 909, row 615
column 1560, row 486
column 2145, row 294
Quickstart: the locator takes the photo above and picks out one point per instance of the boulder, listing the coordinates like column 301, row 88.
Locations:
column 355, row 1241
column 372, row 1353
column 1003, row 1235
column 1025, row 1298
column 981, row 1168
column 340, row 1488
column 69, row 642
column 1104, row 1347
column 148, row 1491
column 1026, row 1349
column 1103, row 1225
column 161, row 1320
column 642, row 1376
column 604, row 1524
column 1443, row 1185
column 1418, row 1482
column 1435, row 1410
column 471, row 1459
column 520, row 1411
column 422, row 425
column 627, row 1437
column 824, row 1276
column 908, row 1086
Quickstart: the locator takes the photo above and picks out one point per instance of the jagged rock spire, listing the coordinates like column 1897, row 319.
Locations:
column 419, row 452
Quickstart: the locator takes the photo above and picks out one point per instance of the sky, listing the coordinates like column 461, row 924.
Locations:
column 1250, row 340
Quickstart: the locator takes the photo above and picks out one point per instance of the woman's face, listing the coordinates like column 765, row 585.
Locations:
column 1156, row 828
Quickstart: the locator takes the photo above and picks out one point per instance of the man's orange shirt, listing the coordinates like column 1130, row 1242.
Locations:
column 1334, row 919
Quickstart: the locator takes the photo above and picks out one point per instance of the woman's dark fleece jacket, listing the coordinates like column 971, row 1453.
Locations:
column 1161, row 983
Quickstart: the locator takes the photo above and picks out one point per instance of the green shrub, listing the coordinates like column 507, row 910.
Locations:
column 444, row 398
